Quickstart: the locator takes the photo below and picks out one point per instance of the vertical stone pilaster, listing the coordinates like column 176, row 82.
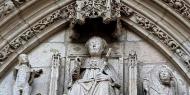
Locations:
column 53, row 88
column 132, row 63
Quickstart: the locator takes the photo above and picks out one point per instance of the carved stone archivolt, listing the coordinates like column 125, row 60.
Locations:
column 126, row 10
column 63, row 13
column 180, row 6
column 95, row 75
column 68, row 13
column 163, row 37
column 157, row 32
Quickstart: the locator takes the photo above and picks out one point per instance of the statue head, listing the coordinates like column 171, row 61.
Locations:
column 165, row 76
column 23, row 59
column 96, row 46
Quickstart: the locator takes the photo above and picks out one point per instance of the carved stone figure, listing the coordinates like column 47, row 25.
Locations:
column 24, row 76
column 184, row 56
column 6, row 8
column 161, row 83
column 94, row 76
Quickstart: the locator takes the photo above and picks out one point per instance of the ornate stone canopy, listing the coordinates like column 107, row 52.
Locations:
column 107, row 9
column 165, row 24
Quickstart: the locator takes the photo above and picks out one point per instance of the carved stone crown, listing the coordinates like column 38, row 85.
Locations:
column 107, row 9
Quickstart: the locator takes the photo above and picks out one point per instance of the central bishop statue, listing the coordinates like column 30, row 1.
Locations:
column 94, row 76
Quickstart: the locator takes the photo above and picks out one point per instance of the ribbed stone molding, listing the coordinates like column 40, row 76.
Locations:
column 64, row 13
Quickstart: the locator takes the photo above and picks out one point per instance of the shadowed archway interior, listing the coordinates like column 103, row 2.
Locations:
column 94, row 27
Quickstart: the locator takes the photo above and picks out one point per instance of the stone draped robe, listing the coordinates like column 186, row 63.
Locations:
column 88, row 84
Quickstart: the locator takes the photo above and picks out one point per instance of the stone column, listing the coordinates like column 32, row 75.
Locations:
column 53, row 88
column 132, row 63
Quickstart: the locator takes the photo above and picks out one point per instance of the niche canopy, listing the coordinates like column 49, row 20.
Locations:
column 109, row 10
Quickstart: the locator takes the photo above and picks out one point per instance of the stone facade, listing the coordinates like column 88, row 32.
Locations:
column 148, row 44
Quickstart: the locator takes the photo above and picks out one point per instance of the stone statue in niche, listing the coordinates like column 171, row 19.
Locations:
column 19, row 2
column 162, row 82
column 94, row 76
column 24, row 76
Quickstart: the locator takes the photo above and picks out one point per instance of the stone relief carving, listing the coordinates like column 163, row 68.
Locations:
column 126, row 11
column 160, row 82
column 156, row 31
column 68, row 12
column 4, row 53
column 24, row 76
column 19, row 2
column 107, row 9
column 164, row 38
column 6, row 8
column 180, row 6
column 94, row 76
column 61, row 14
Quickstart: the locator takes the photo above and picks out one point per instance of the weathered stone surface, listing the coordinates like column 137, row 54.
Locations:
column 146, row 52
column 141, row 24
column 149, row 75
column 46, row 50
column 41, row 58
column 41, row 84
column 132, row 37
column 6, row 85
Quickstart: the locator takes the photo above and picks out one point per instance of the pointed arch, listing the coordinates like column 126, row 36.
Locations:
column 170, row 38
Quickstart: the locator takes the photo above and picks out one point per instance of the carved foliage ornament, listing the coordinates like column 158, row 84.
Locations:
column 102, row 7
column 179, row 6
column 107, row 9
column 125, row 10
column 61, row 14
column 164, row 38
column 68, row 12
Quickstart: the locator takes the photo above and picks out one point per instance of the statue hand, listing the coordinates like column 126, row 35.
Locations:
column 103, row 77
column 118, row 86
